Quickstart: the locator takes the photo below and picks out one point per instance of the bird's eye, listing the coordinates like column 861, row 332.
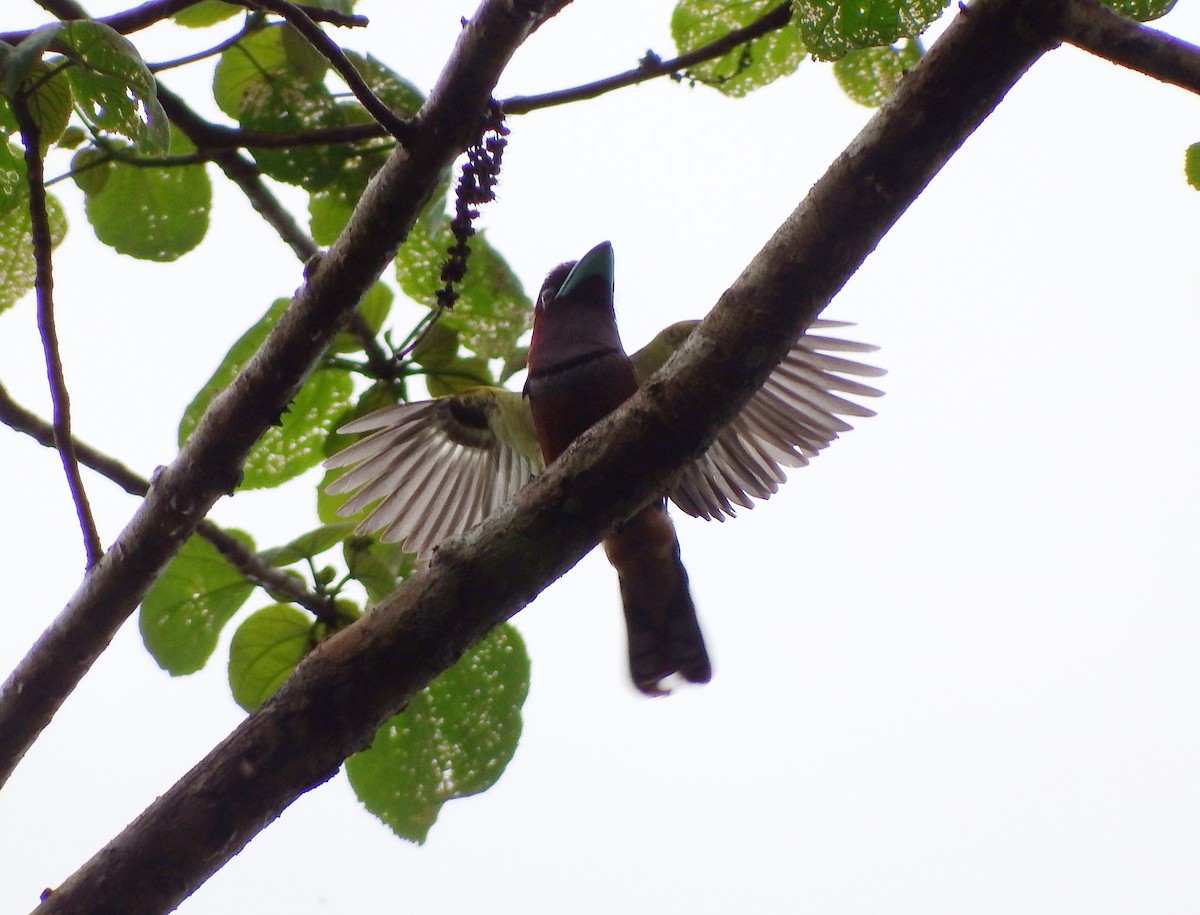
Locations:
column 545, row 297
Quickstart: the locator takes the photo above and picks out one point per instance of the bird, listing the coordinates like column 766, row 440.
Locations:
column 439, row 467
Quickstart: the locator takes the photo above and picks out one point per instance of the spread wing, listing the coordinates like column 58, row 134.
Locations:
column 789, row 420
column 437, row 467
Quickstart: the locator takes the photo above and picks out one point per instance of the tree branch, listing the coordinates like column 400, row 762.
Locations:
column 209, row 464
column 773, row 19
column 1095, row 28
column 131, row 20
column 140, row 17
column 278, row 584
column 43, row 244
column 315, row 13
column 356, row 679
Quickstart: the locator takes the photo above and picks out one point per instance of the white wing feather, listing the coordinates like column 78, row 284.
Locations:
column 437, row 468
column 788, row 421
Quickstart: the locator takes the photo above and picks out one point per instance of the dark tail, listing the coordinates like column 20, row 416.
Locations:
column 664, row 634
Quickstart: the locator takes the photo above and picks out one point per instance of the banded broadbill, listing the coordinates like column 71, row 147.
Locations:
column 439, row 467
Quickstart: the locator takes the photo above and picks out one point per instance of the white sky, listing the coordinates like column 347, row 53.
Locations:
column 956, row 660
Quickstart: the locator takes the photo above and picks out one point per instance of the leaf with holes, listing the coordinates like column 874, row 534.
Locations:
column 1141, row 10
column 747, row 67
column 16, row 243
column 455, row 738
column 869, row 76
column 492, row 311
column 295, row 444
column 113, row 87
column 831, row 28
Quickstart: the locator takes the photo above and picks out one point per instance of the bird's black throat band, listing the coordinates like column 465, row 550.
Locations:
column 575, row 362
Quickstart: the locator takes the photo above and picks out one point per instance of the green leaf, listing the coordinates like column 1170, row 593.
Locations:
column 72, row 137
column 269, row 82
column 283, row 107
column 330, row 206
column 379, row 567
column 437, row 348
column 206, row 13
column 241, row 69
column 869, row 76
column 113, row 87
column 374, row 309
column 1191, row 165
column 831, row 28
column 306, row 546
column 89, row 169
column 1141, row 10
column 750, row 66
column 16, row 243
column 302, row 57
column 292, row 447
column 18, row 63
column 184, row 611
column 329, row 210
column 265, row 650
column 287, row 450
column 455, row 738
column 14, row 190
column 492, row 311
column 516, row 362
column 151, row 212
column 390, row 87
column 460, row 375
column 47, row 97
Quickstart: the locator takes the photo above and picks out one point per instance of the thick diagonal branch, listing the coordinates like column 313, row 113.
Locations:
column 352, row 682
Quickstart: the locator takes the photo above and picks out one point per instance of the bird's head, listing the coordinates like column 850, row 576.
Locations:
column 573, row 317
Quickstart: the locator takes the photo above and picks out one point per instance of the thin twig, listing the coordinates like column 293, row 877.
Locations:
column 278, row 584
column 131, row 20
column 43, row 244
column 219, row 48
column 1095, row 28
column 775, row 18
column 299, row 19
column 315, row 13
column 212, row 136
column 140, row 17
